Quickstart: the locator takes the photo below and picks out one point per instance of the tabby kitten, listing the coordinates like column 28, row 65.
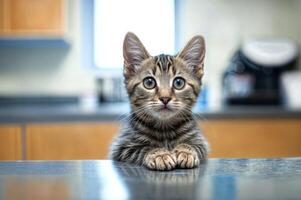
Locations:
column 161, row 132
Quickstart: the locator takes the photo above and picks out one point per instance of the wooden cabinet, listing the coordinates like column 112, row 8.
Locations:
column 32, row 18
column 10, row 142
column 69, row 141
column 253, row 138
column 229, row 138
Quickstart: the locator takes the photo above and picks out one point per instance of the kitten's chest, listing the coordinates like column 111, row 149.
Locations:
column 168, row 144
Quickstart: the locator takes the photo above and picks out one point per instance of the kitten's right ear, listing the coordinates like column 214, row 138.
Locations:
column 193, row 55
column 133, row 53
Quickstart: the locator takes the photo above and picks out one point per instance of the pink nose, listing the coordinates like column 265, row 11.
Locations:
column 165, row 100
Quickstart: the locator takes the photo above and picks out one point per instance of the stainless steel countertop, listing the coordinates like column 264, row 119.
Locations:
column 117, row 111
column 104, row 179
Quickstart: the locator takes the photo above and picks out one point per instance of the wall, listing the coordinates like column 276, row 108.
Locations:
column 51, row 71
column 226, row 23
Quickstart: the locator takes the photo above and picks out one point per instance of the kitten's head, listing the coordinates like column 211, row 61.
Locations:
column 163, row 86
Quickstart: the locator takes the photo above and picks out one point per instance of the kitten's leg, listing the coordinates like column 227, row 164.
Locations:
column 129, row 153
column 156, row 159
column 189, row 156
column 160, row 159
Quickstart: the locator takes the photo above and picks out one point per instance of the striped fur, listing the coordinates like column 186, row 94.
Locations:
column 161, row 139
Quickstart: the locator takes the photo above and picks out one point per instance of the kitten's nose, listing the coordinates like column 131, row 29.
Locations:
column 165, row 100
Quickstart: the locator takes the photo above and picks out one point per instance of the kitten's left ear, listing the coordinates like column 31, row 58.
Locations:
column 193, row 55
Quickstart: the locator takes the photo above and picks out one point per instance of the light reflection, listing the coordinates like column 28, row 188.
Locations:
column 113, row 187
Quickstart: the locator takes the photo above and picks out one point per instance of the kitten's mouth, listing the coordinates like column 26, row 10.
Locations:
column 165, row 108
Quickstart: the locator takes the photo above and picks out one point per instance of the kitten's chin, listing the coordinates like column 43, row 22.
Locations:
column 163, row 114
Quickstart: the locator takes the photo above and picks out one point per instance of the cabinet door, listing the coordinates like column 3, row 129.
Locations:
column 253, row 138
column 10, row 142
column 31, row 17
column 69, row 141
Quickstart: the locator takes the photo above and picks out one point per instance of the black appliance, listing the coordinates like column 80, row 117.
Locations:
column 253, row 74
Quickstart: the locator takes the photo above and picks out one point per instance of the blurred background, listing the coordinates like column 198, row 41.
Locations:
column 61, row 85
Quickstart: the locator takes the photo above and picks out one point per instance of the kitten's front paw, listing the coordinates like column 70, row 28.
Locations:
column 186, row 156
column 160, row 159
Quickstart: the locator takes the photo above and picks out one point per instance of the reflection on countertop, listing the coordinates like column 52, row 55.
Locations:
column 69, row 110
column 104, row 179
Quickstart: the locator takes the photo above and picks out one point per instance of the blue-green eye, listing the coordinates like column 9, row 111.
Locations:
column 149, row 83
column 178, row 83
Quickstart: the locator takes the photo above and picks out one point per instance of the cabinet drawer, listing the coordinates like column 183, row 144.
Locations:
column 10, row 142
column 253, row 138
column 69, row 141
column 32, row 17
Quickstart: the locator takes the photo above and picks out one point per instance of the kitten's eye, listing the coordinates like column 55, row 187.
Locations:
column 149, row 83
column 178, row 83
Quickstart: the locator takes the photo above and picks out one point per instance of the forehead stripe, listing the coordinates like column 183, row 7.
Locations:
column 163, row 62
